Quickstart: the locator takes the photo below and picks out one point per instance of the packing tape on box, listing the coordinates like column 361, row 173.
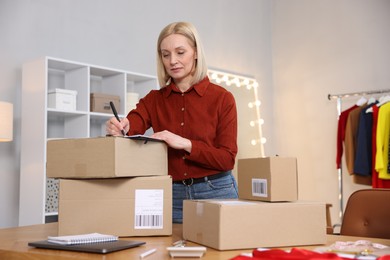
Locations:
column 199, row 209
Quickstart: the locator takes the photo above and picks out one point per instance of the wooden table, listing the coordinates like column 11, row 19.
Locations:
column 13, row 245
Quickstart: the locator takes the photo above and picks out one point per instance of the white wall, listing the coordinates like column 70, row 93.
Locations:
column 300, row 50
column 121, row 34
column 321, row 48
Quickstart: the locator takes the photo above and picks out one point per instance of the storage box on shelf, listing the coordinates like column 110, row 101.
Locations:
column 132, row 100
column 46, row 74
column 62, row 99
column 101, row 102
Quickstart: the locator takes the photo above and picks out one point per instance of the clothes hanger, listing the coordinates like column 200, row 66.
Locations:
column 361, row 101
column 382, row 100
column 371, row 100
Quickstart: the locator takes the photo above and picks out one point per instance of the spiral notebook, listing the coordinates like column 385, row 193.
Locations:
column 82, row 239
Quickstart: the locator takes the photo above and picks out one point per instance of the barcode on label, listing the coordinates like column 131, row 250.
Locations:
column 149, row 209
column 259, row 187
column 148, row 221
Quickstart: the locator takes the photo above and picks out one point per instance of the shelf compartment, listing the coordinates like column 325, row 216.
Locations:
column 63, row 124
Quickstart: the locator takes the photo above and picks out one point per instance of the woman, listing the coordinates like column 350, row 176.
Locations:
column 196, row 118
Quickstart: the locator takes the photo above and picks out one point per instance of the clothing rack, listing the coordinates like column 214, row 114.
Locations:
column 339, row 98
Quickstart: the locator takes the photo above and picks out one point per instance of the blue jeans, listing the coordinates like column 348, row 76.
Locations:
column 221, row 188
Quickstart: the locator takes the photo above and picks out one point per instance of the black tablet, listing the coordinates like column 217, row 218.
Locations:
column 100, row 247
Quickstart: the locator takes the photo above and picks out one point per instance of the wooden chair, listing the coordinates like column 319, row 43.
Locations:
column 367, row 214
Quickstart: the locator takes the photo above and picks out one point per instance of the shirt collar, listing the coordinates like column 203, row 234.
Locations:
column 200, row 87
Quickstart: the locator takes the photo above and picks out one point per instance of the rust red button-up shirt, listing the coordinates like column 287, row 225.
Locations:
column 206, row 114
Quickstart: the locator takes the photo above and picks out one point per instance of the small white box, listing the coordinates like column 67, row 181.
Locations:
column 63, row 99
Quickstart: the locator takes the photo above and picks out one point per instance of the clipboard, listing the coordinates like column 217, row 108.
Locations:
column 143, row 138
column 99, row 247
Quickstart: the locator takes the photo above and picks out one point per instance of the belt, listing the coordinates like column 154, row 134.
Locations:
column 190, row 181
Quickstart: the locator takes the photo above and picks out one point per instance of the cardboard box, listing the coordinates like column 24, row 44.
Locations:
column 139, row 206
column 101, row 103
column 268, row 179
column 105, row 157
column 238, row 224
column 63, row 99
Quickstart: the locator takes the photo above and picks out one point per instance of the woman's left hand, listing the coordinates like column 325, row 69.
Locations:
column 173, row 140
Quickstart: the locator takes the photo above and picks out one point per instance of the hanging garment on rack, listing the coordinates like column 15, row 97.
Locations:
column 382, row 141
column 341, row 134
column 363, row 159
column 388, row 158
column 339, row 143
column 351, row 137
column 376, row 182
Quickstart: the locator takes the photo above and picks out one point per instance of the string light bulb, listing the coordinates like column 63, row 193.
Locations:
column 225, row 78
column 256, row 103
column 262, row 140
column 237, row 82
column 254, row 122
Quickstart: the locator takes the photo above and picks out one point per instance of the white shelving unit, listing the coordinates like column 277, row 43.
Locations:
column 40, row 123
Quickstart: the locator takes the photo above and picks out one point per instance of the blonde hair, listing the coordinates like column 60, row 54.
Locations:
column 189, row 31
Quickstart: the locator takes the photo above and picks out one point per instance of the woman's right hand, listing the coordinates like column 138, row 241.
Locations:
column 114, row 127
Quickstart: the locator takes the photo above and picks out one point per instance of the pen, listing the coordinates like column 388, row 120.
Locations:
column 145, row 254
column 116, row 115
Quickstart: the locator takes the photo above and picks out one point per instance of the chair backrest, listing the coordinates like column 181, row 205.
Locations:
column 367, row 214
